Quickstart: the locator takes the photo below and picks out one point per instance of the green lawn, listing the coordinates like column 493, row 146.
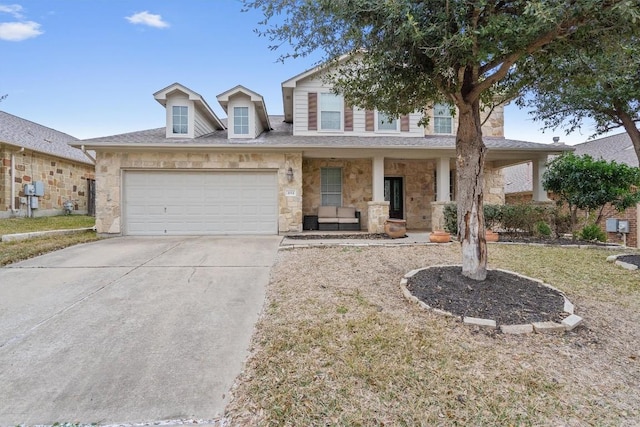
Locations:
column 11, row 252
column 26, row 225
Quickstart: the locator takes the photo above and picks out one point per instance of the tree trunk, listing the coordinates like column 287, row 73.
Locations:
column 633, row 131
column 470, row 152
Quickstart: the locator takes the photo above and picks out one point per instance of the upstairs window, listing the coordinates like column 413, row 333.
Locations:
column 241, row 120
column 180, row 120
column 387, row 123
column 331, row 186
column 442, row 120
column 330, row 111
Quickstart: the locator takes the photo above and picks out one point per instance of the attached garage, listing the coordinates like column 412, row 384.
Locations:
column 159, row 203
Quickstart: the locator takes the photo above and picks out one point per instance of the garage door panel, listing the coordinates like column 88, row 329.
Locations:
column 183, row 203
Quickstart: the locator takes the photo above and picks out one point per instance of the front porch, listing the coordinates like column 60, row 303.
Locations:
column 380, row 187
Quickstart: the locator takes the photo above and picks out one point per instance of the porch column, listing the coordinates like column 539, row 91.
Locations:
column 378, row 179
column 377, row 209
column 443, row 195
column 444, row 183
column 539, row 166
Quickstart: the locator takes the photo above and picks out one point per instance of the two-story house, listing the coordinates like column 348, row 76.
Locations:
column 253, row 173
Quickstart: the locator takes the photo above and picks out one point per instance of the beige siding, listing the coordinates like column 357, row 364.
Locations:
column 201, row 125
column 300, row 114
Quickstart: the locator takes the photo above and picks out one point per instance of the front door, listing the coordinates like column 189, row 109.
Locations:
column 394, row 195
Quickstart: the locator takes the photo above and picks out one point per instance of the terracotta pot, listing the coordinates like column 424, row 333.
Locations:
column 439, row 237
column 491, row 236
column 395, row 228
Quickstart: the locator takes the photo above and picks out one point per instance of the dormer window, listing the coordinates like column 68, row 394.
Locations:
column 180, row 120
column 241, row 120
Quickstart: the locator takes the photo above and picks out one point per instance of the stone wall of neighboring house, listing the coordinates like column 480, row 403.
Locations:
column 63, row 180
column 109, row 175
column 418, row 180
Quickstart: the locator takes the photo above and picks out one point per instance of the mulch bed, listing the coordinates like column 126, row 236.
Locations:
column 630, row 259
column 364, row 236
column 506, row 298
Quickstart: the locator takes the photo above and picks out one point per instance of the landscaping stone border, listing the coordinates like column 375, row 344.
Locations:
column 567, row 324
column 614, row 259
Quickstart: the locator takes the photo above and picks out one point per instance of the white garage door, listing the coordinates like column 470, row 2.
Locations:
column 183, row 203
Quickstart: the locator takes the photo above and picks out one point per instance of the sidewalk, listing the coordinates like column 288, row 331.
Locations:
column 333, row 238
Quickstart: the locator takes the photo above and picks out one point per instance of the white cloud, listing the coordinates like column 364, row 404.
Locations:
column 18, row 31
column 13, row 9
column 146, row 18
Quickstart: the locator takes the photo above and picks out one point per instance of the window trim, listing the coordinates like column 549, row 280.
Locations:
column 435, row 117
column 377, row 123
column 323, row 192
column 340, row 111
column 235, row 120
column 179, row 114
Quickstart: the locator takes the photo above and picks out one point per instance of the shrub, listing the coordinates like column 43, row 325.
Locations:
column 593, row 232
column 542, row 229
column 451, row 218
column 492, row 217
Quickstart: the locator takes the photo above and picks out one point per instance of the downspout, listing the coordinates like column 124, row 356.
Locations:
column 13, row 180
column 86, row 153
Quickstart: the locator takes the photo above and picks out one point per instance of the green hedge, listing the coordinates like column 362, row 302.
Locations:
column 520, row 219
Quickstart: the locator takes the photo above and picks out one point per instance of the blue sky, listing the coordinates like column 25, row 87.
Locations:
column 89, row 67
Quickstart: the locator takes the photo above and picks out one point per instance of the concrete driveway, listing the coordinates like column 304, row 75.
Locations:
column 129, row 330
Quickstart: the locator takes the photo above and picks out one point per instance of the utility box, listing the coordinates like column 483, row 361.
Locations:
column 29, row 190
column 34, row 203
column 612, row 225
column 38, row 188
column 623, row 226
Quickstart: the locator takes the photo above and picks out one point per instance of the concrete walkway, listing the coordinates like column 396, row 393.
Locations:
column 129, row 330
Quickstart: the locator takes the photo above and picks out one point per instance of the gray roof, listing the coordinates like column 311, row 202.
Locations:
column 518, row 179
column 24, row 133
column 282, row 136
column 616, row 147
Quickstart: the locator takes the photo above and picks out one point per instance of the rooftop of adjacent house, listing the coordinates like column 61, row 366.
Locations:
column 518, row 179
column 282, row 136
column 33, row 136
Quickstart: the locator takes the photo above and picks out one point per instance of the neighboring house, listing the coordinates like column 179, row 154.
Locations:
column 518, row 180
column 254, row 173
column 34, row 153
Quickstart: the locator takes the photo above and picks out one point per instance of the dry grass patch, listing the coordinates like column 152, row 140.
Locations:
column 338, row 345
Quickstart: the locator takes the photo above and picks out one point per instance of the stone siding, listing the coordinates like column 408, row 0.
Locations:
column 63, row 180
column 494, row 126
column 419, row 189
column 112, row 164
column 356, row 184
column 493, row 185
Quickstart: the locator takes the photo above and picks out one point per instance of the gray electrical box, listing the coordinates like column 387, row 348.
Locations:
column 39, row 188
column 34, row 203
column 29, row 190
column 612, row 225
column 623, row 226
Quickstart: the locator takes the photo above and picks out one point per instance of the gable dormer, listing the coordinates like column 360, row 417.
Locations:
column 188, row 114
column 246, row 112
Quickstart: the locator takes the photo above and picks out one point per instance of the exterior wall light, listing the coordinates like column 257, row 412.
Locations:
column 289, row 174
